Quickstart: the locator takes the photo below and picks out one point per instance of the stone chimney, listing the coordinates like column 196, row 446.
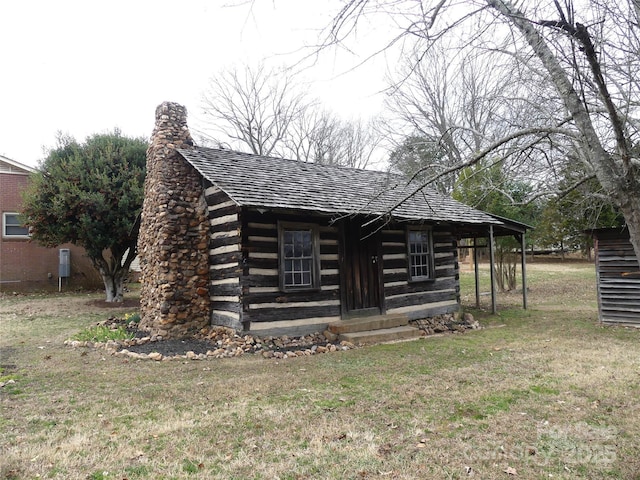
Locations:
column 173, row 240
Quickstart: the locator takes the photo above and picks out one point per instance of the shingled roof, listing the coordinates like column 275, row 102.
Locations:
column 268, row 182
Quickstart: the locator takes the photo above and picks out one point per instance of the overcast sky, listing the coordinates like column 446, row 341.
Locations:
column 88, row 66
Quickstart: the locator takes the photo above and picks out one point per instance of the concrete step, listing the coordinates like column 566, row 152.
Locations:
column 364, row 324
column 369, row 337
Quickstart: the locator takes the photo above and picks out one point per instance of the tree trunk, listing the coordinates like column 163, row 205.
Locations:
column 114, row 271
column 114, row 285
column 615, row 173
column 631, row 212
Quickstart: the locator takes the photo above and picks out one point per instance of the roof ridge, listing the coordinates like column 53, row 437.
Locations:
column 282, row 159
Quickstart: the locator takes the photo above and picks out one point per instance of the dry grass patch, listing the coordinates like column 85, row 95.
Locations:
column 548, row 395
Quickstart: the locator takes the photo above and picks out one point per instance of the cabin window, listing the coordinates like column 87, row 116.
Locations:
column 299, row 256
column 420, row 254
column 12, row 226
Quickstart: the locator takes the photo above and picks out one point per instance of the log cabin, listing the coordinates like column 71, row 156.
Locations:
column 253, row 242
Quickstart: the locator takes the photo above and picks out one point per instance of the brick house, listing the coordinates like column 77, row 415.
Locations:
column 25, row 265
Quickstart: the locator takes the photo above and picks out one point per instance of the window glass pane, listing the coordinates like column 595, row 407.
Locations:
column 16, row 231
column 288, row 250
column 297, row 251
column 288, row 237
column 307, row 246
column 13, row 225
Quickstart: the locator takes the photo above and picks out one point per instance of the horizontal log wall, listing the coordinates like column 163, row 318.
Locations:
column 420, row 299
column 225, row 259
column 618, row 276
column 262, row 300
column 244, row 270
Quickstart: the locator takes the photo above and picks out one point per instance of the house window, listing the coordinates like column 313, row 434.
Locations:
column 12, row 226
column 299, row 256
column 420, row 247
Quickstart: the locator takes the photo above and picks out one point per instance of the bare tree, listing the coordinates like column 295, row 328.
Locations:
column 253, row 108
column 317, row 137
column 465, row 99
column 320, row 136
column 360, row 142
column 582, row 59
column 448, row 99
column 266, row 112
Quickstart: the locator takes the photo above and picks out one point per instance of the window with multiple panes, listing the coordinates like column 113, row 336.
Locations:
column 420, row 253
column 12, row 226
column 299, row 257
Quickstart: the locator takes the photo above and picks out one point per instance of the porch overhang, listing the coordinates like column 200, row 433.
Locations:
column 502, row 228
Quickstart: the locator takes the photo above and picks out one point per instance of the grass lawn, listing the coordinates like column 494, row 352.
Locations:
column 543, row 393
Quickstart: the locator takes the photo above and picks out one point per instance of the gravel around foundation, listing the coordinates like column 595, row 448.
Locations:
column 213, row 342
column 223, row 342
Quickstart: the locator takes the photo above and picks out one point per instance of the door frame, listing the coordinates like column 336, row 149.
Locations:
column 347, row 235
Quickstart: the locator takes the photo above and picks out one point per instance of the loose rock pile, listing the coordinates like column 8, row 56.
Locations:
column 447, row 323
column 222, row 342
column 215, row 342
column 271, row 347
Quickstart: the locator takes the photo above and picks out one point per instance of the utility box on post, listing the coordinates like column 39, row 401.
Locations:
column 64, row 266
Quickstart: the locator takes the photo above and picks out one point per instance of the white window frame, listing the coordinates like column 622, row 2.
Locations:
column 430, row 265
column 314, row 258
column 5, row 234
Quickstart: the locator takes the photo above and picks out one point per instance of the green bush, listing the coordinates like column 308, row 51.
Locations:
column 132, row 317
column 100, row 333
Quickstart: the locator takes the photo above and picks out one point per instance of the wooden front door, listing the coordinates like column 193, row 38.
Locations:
column 361, row 270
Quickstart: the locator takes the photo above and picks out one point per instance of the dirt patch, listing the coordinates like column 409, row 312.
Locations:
column 173, row 347
column 133, row 303
column 64, row 304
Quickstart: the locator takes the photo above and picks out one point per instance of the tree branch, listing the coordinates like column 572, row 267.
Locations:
column 559, row 193
column 581, row 34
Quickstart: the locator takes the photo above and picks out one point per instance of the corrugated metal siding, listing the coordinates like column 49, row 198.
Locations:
column 618, row 276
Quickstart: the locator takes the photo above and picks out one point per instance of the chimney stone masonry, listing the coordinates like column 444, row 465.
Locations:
column 173, row 239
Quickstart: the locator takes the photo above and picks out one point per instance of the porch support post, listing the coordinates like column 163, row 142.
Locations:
column 475, row 271
column 523, row 255
column 494, row 307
